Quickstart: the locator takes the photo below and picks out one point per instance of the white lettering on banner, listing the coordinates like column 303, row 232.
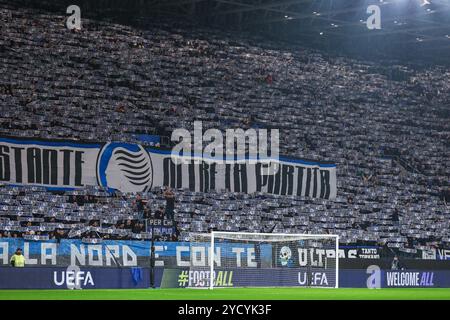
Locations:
column 77, row 255
column 369, row 253
column 179, row 254
column 350, row 254
column 217, row 260
column 320, row 253
column 316, row 256
column 45, row 247
column 197, row 255
column 330, row 253
column 443, row 254
column 409, row 279
column 238, row 252
column 91, row 255
column 251, row 258
column 402, row 279
column 4, row 246
column 44, row 255
column 312, row 261
column 158, row 263
column 429, row 254
column 70, row 165
column 111, row 252
column 129, row 257
column 45, row 165
column 180, row 261
column 302, row 257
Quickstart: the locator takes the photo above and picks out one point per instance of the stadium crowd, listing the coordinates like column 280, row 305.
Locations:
column 384, row 124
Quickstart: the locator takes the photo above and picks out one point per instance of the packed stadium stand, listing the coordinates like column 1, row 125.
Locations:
column 388, row 132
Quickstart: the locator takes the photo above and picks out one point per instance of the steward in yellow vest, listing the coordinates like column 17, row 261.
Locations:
column 18, row 260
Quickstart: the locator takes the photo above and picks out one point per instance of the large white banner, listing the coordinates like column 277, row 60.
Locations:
column 132, row 168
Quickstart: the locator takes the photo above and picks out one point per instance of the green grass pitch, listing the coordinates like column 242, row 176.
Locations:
column 230, row 294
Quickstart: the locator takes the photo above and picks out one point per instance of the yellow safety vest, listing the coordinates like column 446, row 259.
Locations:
column 19, row 261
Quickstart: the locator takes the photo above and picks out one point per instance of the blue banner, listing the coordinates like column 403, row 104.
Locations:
column 129, row 253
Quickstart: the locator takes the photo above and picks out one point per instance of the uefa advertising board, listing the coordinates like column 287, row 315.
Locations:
column 129, row 277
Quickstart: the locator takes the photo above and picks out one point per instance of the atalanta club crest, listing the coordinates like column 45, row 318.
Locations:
column 125, row 167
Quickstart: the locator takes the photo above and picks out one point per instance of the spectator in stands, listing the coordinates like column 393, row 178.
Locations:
column 176, row 231
column 129, row 224
column 91, row 199
column 147, row 213
column 394, row 218
column 59, row 234
column 120, row 108
column 350, row 200
column 80, row 200
column 170, row 202
column 94, row 223
column 140, row 206
column 18, row 260
column 138, row 227
column 396, row 265
column 159, row 214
